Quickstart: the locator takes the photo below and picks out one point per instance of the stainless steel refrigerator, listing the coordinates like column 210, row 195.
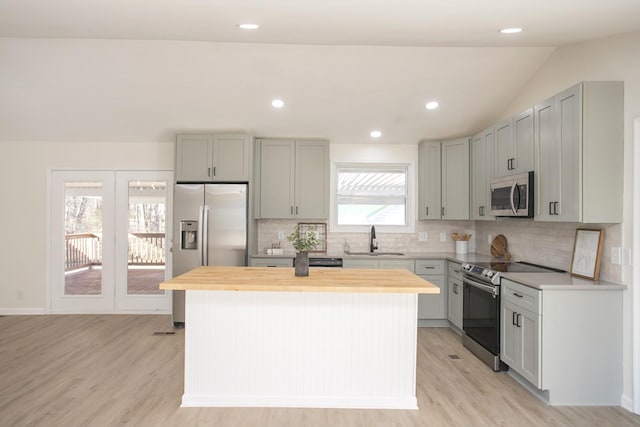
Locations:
column 210, row 229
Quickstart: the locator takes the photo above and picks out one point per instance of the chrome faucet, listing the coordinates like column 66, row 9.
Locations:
column 373, row 244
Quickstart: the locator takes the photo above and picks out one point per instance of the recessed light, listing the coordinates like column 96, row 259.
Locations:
column 375, row 134
column 277, row 103
column 432, row 105
column 511, row 30
column 248, row 26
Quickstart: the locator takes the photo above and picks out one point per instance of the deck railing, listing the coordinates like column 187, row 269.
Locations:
column 147, row 249
column 85, row 250
column 82, row 250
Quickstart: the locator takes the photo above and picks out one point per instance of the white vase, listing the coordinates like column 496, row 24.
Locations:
column 461, row 246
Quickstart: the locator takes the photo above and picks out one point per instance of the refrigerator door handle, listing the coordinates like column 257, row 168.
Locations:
column 200, row 231
column 205, row 235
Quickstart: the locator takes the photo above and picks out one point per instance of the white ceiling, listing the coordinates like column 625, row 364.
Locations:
column 333, row 22
column 344, row 67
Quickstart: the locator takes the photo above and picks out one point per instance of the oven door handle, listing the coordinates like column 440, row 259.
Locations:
column 486, row 288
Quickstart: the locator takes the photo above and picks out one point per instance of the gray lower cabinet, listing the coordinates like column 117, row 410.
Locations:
column 213, row 158
column 432, row 306
column 565, row 341
column 293, row 179
column 271, row 262
column 520, row 330
column 454, row 303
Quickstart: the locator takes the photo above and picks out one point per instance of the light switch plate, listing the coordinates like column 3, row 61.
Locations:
column 443, row 237
column 423, row 236
column 280, row 235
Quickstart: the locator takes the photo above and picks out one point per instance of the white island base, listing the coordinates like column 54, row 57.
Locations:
column 300, row 349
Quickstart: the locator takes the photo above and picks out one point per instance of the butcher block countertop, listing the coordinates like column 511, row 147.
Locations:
column 284, row 280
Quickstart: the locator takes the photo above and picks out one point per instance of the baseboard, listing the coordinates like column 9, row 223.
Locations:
column 295, row 401
column 4, row 311
column 433, row 323
column 38, row 311
column 626, row 402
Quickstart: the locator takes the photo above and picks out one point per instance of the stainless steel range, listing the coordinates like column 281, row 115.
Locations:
column 481, row 307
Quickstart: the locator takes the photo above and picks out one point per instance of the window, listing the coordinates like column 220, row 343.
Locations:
column 371, row 194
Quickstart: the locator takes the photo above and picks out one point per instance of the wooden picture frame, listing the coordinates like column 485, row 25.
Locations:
column 587, row 252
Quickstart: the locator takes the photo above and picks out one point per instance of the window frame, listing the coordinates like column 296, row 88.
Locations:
column 409, row 227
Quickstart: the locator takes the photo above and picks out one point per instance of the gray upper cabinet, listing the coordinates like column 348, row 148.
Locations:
column 514, row 144
column 579, row 154
column 443, row 187
column 455, row 179
column 212, row 158
column 293, row 179
column 430, row 179
column 482, row 159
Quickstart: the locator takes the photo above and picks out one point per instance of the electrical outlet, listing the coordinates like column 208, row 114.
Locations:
column 280, row 235
column 423, row 236
column 616, row 255
column 489, row 239
column 443, row 237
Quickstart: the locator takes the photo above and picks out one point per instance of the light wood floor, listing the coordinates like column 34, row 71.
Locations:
column 107, row 370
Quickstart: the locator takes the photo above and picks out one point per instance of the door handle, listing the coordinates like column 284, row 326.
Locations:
column 555, row 208
column 427, row 211
column 443, row 211
column 550, row 208
column 513, row 190
column 518, row 322
column 513, row 318
column 296, row 210
column 208, row 171
column 515, row 294
column 214, row 171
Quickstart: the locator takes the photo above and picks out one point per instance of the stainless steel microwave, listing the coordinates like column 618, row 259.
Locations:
column 512, row 195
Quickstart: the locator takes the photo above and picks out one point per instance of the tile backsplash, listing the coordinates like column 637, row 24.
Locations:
column 541, row 243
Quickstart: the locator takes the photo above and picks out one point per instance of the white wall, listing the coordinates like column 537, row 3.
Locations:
column 24, row 175
column 614, row 58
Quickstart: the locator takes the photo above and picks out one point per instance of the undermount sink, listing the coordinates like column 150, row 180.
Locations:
column 375, row 253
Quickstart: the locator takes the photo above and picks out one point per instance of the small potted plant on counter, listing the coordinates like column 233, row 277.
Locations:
column 303, row 243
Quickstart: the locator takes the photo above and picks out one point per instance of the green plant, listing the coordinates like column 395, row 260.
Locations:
column 303, row 242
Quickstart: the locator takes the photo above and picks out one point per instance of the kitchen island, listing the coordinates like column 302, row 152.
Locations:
column 339, row 338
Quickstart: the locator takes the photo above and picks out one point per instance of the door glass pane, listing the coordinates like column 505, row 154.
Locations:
column 83, row 238
column 146, row 237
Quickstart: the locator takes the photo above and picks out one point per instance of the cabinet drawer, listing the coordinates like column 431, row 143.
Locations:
column 359, row 263
column 406, row 264
column 521, row 295
column 429, row 266
column 455, row 270
column 271, row 262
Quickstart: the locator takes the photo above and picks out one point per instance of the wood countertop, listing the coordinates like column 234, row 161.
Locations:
column 284, row 280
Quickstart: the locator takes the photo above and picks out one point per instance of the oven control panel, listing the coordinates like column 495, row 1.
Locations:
column 481, row 272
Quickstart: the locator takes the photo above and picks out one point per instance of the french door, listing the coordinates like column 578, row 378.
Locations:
column 108, row 241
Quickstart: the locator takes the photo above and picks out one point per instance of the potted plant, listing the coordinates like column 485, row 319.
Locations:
column 303, row 243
